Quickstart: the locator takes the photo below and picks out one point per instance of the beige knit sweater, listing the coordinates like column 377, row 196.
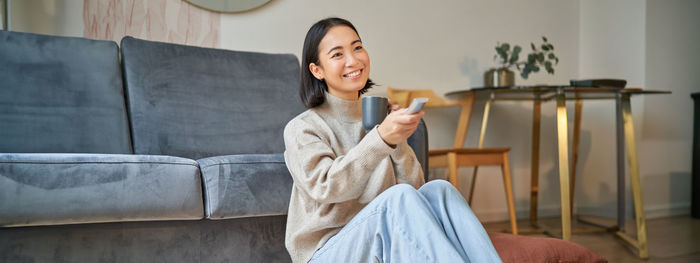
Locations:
column 337, row 169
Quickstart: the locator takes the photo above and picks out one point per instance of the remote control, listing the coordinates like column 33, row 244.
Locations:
column 416, row 105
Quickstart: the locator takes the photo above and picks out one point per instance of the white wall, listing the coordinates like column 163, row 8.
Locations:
column 447, row 46
column 52, row 17
column 665, row 139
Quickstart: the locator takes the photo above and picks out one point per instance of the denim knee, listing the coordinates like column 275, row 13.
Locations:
column 438, row 186
column 400, row 189
column 399, row 192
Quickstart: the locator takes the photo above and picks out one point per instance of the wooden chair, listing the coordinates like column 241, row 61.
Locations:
column 458, row 156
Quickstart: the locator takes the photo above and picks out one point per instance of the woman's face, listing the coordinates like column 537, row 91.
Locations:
column 343, row 62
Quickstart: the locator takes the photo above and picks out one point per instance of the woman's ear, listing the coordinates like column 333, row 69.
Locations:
column 316, row 71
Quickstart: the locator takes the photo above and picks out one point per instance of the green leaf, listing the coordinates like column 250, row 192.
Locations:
column 532, row 45
column 548, row 66
column 517, row 49
column 545, row 47
column 505, row 47
column 557, row 59
column 540, row 57
column 536, row 69
column 531, row 58
column 502, row 53
column 513, row 59
column 544, row 38
column 525, row 73
column 551, row 47
column 515, row 55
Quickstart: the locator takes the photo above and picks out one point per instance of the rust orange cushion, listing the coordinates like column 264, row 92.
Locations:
column 512, row 248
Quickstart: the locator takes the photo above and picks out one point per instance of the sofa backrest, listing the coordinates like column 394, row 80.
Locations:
column 200, row 102
column 61, row 95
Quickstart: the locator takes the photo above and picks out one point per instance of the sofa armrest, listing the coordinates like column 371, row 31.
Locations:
column 50, row 189
column 419, row 143
column 245, row 185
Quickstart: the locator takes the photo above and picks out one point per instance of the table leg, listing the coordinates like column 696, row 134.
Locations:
column 620, row 134
column 482, row 134
column 635, row 181
column 535, row 159
column 578, row 111
column 563, row 157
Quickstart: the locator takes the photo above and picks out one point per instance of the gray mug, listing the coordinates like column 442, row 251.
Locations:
column 374, row 110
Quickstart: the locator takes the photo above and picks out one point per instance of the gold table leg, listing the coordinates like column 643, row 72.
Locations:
column 641, row 241
column 535, row 159
column 563, row 157
column 482, row 134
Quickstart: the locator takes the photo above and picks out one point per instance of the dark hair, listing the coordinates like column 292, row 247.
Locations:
column 312, row 90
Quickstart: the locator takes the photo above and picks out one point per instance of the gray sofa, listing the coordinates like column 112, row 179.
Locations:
column 144, row 152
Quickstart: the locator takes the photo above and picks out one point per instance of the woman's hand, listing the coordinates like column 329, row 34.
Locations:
column 398, row 126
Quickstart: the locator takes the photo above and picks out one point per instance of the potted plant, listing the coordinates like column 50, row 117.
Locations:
column 507, row 58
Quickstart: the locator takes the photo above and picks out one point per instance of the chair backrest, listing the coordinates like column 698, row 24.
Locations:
column 61, row 95
column 403, row 97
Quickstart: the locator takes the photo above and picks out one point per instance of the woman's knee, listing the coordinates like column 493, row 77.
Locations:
column 438, row 186
column 399, row 193
column 400, row 189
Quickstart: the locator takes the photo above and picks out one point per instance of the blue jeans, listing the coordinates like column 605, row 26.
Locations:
column 402, row 224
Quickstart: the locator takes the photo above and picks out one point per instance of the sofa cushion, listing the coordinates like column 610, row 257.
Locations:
column 61, row 95
column 245, row 185
column 512, row 248
column 49, row 189
column 200, row 102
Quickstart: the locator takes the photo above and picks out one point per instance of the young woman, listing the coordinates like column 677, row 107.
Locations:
column 359, row 196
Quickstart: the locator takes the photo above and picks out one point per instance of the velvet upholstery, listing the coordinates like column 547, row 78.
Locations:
column 419, row 143
column 61, row 95
column 245, row 185
column 199, row 102
column 48, row 189
column 243, row 240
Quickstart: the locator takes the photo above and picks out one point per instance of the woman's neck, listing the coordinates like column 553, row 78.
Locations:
column 342, row 109
column 352, row 95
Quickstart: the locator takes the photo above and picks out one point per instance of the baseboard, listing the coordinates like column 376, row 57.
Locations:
column 651, row 212
column 659, row 211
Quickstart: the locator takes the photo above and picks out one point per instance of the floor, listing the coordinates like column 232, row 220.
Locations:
column 672, row 239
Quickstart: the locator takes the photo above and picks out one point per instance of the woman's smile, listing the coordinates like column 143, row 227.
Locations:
column 353, row 75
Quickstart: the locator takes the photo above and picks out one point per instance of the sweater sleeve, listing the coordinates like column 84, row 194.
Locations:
column 406, row 166
column 325, row 177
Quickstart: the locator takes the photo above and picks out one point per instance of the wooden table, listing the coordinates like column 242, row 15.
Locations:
column 624, row 135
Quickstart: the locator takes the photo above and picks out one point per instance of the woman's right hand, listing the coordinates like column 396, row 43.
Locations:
column 398, row 126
